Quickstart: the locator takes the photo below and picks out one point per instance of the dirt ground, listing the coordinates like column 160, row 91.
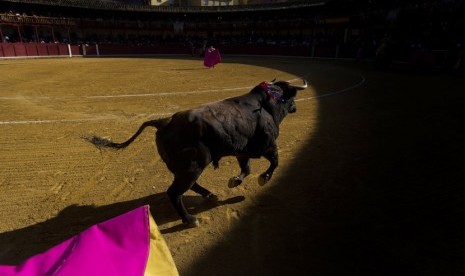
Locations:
column 370, row 180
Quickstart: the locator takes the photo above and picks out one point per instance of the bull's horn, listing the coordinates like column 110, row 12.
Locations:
column 272, row 82
column 301, row 87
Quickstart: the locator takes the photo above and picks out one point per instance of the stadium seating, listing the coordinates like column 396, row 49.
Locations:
column 419, row 32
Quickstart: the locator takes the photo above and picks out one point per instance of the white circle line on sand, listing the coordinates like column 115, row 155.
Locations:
column 360, row 83
column 163, row 93
column 25, row 122
column 28, row 122
column 140, row 95
column 149, row 94
column 362, row 80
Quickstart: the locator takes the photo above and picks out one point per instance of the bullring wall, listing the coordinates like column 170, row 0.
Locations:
column 25, row 50
column 17, row 50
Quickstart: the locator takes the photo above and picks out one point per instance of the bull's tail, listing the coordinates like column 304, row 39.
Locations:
column 100, row 142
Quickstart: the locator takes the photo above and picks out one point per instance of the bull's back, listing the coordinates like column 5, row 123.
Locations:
column 177, row 134
column 228, row 127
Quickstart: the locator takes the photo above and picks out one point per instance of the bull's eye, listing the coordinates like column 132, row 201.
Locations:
column 275, row 93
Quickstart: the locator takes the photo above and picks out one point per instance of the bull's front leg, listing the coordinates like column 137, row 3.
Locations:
column 272, row 156
column 244, row 164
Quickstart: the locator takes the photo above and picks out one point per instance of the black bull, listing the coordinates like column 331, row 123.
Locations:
column 245, row 126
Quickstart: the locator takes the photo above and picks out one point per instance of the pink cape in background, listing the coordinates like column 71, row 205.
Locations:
column 211, row 57
column 129, row 244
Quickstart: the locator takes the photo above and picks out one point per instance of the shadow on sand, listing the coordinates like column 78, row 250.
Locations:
column 17, row 246
column 378, row 189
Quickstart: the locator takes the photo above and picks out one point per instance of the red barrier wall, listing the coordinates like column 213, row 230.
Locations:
column 37, row 49
column 266, row 50
column 31, row 49
column 110, row 49
column 20, row 49
column 42, row 50
column 324, row 51
column 8, row 50
column 50, row 49
column 76, row 50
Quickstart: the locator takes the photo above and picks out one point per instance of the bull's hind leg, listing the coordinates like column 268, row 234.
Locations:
column 180, row 185
column 244, row 164
column 204, row 192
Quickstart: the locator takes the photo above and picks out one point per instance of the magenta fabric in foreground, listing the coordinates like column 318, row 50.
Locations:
column 119, row 246
column 211, row 58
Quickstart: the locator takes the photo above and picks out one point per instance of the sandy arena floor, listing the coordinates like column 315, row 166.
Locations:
column 370, row 180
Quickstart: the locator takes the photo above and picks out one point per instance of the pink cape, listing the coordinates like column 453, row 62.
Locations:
column 129, row 244
column 211, row 57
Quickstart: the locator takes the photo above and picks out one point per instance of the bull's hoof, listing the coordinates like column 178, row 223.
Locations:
column 234, row 182
column 212, row 198
column 263, row 179
column 191, row 222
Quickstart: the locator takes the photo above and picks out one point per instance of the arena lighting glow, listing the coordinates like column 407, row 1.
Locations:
column 304, row 122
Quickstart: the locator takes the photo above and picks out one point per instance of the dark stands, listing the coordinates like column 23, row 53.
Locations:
column 426, row 35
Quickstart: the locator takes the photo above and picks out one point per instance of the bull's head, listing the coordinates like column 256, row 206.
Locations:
column 284, row 93
column 279, row 98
